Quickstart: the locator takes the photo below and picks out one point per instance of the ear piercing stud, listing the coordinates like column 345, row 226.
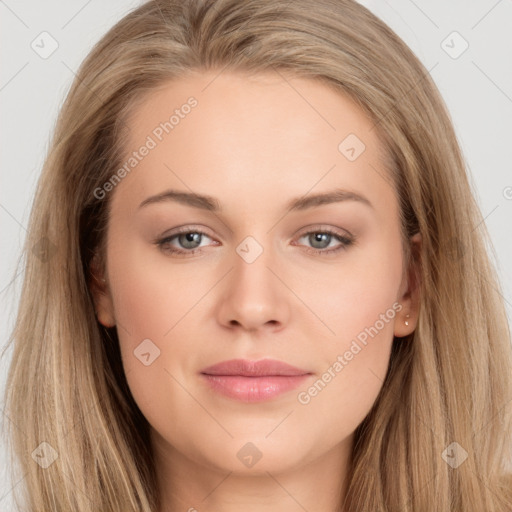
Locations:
column 407, row 321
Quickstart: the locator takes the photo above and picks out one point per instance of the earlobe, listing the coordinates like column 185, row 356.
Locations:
column 104, row 308
column 102, row 298
column 405, row 324
column 407, row 319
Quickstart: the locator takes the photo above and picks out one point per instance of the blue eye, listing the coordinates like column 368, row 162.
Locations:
column 187, row 241
column 190, row 240
column 321, row 240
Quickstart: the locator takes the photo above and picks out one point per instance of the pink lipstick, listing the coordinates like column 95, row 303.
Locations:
column 253, row 381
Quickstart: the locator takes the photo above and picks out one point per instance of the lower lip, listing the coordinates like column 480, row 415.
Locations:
column 254, row 389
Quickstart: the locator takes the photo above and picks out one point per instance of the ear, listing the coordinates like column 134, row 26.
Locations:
column 410, row 291
column 102, row 297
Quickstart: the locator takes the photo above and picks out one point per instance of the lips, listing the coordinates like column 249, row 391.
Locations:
column 246, row 368
column 253, row 381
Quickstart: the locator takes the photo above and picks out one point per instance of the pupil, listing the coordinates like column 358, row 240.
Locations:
column 321, row 237
column 190, row 239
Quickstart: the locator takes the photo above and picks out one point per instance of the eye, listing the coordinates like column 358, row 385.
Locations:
column 322, row 240
column 188, row 241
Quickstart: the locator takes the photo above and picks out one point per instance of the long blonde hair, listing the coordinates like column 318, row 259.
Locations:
column 449, row 382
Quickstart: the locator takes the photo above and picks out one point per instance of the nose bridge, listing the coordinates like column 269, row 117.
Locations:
column 253, row 296
column 251, row 274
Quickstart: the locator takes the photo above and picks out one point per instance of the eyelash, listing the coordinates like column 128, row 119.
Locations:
column 345, row 241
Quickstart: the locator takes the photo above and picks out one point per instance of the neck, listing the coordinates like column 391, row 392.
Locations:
column 188, row 485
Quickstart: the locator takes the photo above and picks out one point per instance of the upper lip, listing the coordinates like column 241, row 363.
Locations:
column 247, row 368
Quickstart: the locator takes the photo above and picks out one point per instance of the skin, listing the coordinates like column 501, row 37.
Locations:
column 254, row 143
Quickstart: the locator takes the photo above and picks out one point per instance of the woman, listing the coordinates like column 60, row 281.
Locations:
column 257, row 280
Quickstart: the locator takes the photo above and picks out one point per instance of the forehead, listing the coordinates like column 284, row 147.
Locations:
column 235, row 133
column 263, row 103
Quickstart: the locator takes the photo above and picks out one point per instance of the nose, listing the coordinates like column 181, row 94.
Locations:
column 253, row 298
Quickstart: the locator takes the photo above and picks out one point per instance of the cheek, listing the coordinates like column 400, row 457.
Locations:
column 156, row 305
column 352, row 295
column 152, row 320
column 151, row 294
column 359, row 302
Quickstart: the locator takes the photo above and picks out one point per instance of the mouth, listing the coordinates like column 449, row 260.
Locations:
column 253, row 381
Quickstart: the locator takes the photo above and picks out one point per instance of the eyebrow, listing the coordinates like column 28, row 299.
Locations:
column 211, row 204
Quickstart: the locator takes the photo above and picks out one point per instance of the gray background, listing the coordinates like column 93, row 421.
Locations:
column 475, row 83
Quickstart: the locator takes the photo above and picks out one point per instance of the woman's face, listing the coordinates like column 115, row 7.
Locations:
column 318, row 285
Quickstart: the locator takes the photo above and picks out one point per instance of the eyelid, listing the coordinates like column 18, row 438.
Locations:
column 344, row 239
column 186, row 228
column 324, row 228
